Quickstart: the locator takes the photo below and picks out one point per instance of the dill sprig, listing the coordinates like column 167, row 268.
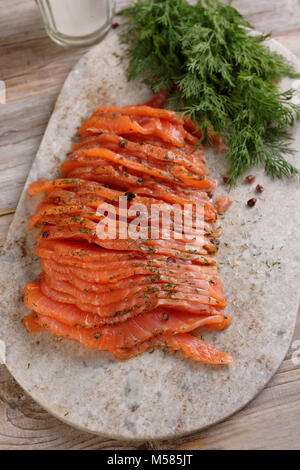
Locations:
column 216, row 71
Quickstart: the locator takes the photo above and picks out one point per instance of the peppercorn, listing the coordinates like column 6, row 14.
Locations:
column 260, row 188
column 251, row 202
column 250, row 179
column 55, row 200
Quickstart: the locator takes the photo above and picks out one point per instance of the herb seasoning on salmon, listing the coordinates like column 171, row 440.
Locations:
column 123, row 294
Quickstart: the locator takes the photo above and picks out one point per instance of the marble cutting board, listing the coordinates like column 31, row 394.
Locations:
column 157, row 395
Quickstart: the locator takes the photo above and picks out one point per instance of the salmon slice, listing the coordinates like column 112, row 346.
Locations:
column 176, row 175
column 31, row 325
column 110, row 275
column 132, row 282
column 145, row 151
column 72, row 315
column 155, row 190
column 57, row 212
column 139, row 301
column 98, row 302
column 68, row 314
column 116, row 124
column 123, row 125
column 223, row 203
column 94, row 156
column 87, row 232
column 94, row 291
column 166, row 131
column 125, row 262
column 114, row 295
column 190, row 346
column 122, row 179
column 86, row 196
column 56, row 215
column 141, row 111
column 111, row 260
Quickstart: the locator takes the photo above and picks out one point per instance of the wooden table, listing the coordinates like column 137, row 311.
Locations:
column 34, row 69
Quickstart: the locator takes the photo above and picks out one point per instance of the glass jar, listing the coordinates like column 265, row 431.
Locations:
column 76, row 22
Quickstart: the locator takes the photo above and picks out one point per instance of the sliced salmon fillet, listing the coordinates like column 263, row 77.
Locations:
column 111, row 276
column 115, row 284
column 117, row 294
column 121, row 178
column 171, row 132
column 72, row 315
column 87, row 232
column 66, row 313
column 190, row 346
column 116, row 124
column 140, row 300
column 94, row 188
column 115, row 301
column 145, row 151
column 94, row 156
column 141, row 111
column 223, row 203
column 121, row 295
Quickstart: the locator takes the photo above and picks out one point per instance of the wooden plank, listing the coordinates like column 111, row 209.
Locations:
column 5, row 222
column 19, row 140
column 34, row 69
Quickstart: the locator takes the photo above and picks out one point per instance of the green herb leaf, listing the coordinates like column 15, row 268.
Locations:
column 218, row 73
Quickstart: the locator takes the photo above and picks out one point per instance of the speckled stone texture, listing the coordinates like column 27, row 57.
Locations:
column 157, row 395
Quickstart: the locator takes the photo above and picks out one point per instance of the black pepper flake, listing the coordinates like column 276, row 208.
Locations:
column 165, row 316
column 122, row 144
column 46, row 234
column 130, row 196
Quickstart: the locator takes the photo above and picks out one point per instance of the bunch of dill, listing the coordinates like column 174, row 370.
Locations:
column 216, row 71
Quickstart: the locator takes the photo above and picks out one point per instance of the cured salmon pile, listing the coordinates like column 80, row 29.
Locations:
column 126, row 295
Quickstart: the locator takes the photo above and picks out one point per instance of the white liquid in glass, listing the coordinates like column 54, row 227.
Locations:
column 78, row 17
